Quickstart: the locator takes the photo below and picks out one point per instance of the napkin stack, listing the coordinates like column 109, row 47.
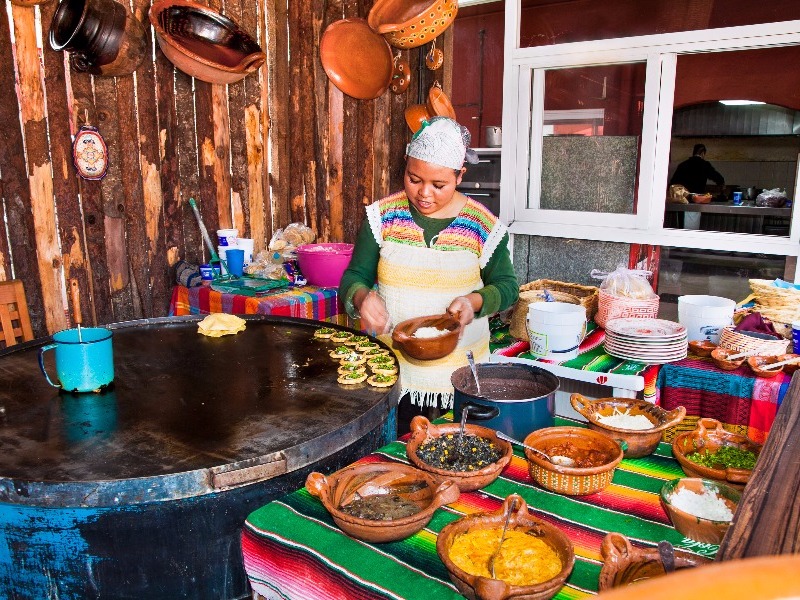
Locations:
column 219, row 324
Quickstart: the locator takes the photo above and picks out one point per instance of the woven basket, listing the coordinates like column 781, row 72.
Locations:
column 618, row 307
column 779, row 305
column 519, row 318
column 587, row 295
column 733, row 340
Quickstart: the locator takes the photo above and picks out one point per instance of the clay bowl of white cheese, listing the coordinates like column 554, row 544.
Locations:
column 428, row 338
column 638, row 423
column 700, row 509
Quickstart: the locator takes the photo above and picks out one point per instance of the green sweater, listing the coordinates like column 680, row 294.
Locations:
column 500, row 288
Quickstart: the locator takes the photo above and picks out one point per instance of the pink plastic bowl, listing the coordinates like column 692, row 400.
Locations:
column 324, row 264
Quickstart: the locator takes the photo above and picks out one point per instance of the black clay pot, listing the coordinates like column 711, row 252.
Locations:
column 103, row 36
column 515, row 398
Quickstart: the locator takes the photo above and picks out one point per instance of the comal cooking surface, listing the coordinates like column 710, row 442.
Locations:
column 181, row 401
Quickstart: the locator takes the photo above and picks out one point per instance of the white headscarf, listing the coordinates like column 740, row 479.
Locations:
column 442, row 141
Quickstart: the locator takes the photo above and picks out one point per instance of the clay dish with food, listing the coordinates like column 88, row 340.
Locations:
column 696, row 506
column 718, row 454
column 702, row 348
column 624, row 563
column 720, row 357
column 436, row 449
column 545, row 540
column 596, row 455
column 757, row 364
column 638, row 423
column 428, row 338
column 381, row 502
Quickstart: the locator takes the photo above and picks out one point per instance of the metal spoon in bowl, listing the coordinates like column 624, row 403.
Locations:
column 471, row 360
column 561, row 461
column 511, row 508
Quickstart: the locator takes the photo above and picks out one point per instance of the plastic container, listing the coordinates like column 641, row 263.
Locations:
column 227, row 237
column 555, row 329
column 246, row 244
column 796, row 337
column 323, row 264
column 705, row 316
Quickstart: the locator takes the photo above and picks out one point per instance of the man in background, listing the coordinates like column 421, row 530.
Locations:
column 695, row 171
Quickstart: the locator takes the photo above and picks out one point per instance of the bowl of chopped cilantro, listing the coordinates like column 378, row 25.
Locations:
column 472, row 461
column 711, row 452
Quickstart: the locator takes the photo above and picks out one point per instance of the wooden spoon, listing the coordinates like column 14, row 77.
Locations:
column 788, row 361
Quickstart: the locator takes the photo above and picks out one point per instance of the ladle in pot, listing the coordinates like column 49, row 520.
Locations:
column 561, row 461
column 471, row 360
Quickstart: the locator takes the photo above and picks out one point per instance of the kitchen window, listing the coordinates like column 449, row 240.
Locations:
column 620, row 176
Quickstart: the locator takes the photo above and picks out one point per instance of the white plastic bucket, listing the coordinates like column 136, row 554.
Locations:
column 555, row 329
column 227, row 237
column 705, row 316
column 246, row 244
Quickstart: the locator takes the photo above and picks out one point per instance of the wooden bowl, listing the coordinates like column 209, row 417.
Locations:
column 572, row 481
column 756, row 364
column 701, row 347
column 720, row 357
column 428, row 348
column 484, row 588
column 709, row 435
column 624, row 564
column 467, row 481
column 759, row 578
column 411, row 23
column 374, row 479
column 637, row 442
column 203, row 43
column 699, row 529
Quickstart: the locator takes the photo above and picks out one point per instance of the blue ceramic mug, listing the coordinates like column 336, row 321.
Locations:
column 84, row 359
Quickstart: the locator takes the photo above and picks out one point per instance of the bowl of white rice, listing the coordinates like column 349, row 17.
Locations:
column 428, row 338
column 637, row 423
column 700, row 509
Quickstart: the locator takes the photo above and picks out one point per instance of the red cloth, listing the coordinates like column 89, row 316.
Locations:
column 755, row 323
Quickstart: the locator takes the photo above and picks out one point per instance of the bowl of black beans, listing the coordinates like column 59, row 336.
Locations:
column 473, row 460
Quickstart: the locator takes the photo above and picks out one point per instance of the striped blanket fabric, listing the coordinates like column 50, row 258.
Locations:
column 307, row 302
column 293, row 551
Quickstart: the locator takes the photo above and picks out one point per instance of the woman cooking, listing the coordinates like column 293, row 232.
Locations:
column 431, row 249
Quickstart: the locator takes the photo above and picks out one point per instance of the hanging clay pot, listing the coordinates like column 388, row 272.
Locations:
column 102, row 36
column 401, row 75
column 435, row 58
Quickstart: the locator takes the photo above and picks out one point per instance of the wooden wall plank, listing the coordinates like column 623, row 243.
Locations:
column 65, row 180
column 239, row 192
column 206, row 154
column 40, row 176
column 16, row 189
column 278, row 52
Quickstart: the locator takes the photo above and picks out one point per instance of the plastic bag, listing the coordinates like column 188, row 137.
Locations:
column 626, row 283
column 678, row 194
column 285, row 241
column 773, row 198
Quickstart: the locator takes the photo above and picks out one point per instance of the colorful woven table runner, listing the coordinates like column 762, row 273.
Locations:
column 591, row 355
column 308, row 302
column 744, row 403
column 293, row 550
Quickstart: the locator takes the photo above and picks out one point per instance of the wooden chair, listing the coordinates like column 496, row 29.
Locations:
column 15, row 322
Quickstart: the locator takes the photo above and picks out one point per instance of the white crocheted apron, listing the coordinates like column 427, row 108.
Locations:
column 415, row 281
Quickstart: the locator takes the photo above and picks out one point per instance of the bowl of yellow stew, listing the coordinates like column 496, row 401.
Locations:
column 533, row 561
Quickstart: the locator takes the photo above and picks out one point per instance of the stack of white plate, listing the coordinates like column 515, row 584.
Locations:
column 652, row 341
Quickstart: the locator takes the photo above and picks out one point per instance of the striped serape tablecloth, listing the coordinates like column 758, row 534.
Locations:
column 591, row 356
column 292, row 550
column 308, row 302
column 744, row 403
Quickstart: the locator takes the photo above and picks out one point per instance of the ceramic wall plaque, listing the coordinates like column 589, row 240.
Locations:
column 89, row 153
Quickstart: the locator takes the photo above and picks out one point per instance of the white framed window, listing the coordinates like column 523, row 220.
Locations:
column 530, row 207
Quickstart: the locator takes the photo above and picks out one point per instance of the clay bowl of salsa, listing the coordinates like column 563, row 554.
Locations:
column 466, row 545
column 711, row 452
column 381, row 502
column 595, row 454
column 473, row 462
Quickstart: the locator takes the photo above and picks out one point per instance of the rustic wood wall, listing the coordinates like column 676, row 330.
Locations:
column 281, row 146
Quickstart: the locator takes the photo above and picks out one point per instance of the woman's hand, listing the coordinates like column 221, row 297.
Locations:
column 463, row 308
column 374, row 316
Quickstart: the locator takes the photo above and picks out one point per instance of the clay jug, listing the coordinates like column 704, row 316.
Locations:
column 103, row 36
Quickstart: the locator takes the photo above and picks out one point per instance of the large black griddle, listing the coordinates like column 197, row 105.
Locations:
column 220, row 412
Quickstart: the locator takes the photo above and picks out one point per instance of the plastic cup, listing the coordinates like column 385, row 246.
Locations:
column 737, row 198
column 235, row 259
column 796, row 337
